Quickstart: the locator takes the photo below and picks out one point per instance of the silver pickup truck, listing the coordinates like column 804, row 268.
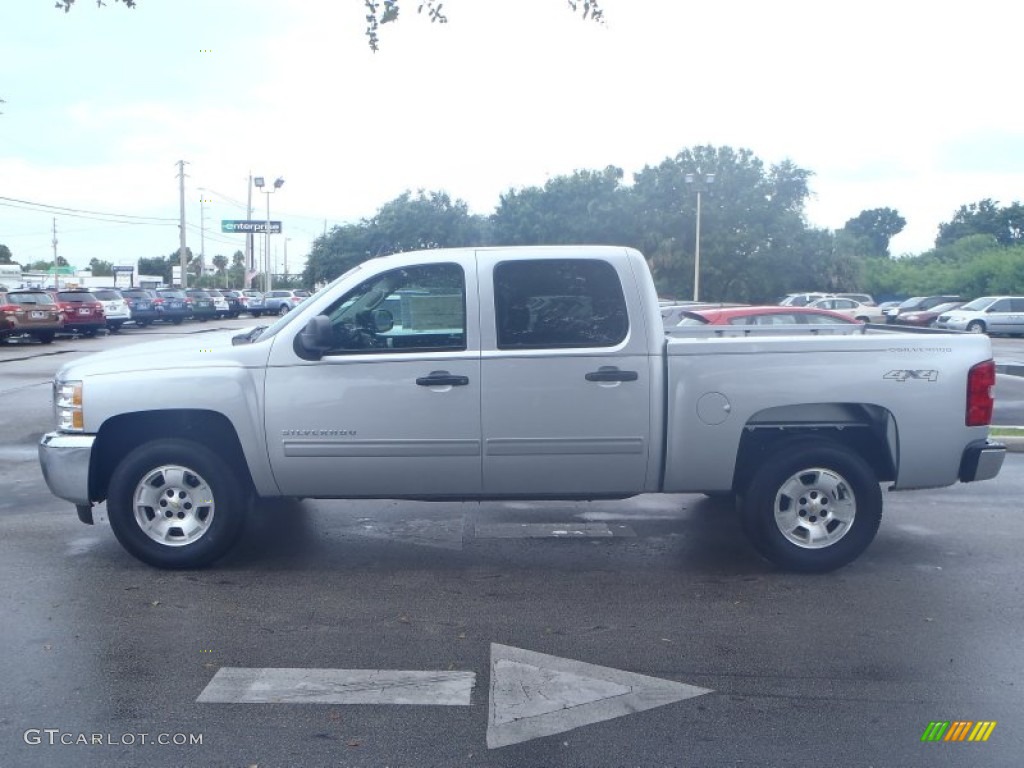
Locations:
column 526, row 373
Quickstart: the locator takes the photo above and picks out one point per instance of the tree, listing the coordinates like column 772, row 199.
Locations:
column 755, row 245
column 101, row 268
column 386, row 11
column 876, row 228
column 985, row 217
column 586, row 207
column 426, row 220
column 220, row 263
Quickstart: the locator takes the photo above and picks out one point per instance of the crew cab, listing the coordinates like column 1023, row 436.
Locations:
column 537, row 373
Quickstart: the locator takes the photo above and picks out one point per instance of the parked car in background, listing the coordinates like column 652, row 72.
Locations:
column 253, row 301
column 177, row 305
column 236, row 301
column 115, row 307
column 671, row 314
column 221, row 303
column 34, row 313
column 83, row 312
column 144, row 305
column 802, row 299
column 863, row 298
column 863, row 313
column 280, row 302
column 925, row 318
column 766, row 315
column 203, row 306
column 916, row 304
column 990, row 314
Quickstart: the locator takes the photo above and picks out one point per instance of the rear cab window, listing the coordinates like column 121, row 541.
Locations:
column 558, row 303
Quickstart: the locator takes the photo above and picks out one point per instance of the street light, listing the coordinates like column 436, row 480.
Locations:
column 699, row 185
column 278, row 183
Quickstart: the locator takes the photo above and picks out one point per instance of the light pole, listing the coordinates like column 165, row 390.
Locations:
column 278, row 183
column 700, row 183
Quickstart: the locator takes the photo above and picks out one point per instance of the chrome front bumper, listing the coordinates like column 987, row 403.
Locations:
column 65, row 463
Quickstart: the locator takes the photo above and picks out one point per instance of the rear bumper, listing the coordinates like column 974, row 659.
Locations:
column 981, row 460
column 64, row 460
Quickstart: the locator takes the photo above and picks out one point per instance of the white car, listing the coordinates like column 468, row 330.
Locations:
column 803, row 299
column 115, row 307
column 864, row 313
column 989, row 314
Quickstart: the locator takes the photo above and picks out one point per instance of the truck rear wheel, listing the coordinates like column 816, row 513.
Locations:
column 813, row 506
column 176, row 504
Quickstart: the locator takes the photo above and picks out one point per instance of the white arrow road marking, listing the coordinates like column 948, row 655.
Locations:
column 533, row 694
column 241, row 685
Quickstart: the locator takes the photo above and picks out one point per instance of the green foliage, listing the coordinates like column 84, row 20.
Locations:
column 586, row 207
column 755, row 245
column 975, row 265
column 875, row 228
column 985, row 217
column 427, row 220
column 6, row 257
column 101, row 268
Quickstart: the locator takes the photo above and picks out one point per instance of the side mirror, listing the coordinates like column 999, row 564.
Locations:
column 383, row 320
column 315, row 339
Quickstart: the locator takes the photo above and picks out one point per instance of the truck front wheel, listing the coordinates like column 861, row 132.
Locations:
column 814, row 506
column 176, row 504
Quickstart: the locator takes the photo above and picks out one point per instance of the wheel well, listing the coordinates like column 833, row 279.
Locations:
column 868, row 430
column 122, row 434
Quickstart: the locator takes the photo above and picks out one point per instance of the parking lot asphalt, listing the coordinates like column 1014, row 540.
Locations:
column 495, row 610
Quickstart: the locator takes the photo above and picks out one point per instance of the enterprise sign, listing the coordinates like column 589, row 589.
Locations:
column 246, row 227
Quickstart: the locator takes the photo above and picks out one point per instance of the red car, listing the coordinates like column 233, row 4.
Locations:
column 923, row 318
column 83, row 312
column 766, row 315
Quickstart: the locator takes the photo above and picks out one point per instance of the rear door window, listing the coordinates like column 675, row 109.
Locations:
column 543, row 303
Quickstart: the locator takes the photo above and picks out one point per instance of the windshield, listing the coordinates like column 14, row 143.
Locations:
column 912, row 302
column 978, row 304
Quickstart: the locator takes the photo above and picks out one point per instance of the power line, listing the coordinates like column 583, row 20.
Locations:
column 66, row 211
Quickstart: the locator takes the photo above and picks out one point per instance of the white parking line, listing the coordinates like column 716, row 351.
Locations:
column 549, row 530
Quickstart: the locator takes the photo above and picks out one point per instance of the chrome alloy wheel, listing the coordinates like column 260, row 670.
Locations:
column 815, row 508
column 174, row 505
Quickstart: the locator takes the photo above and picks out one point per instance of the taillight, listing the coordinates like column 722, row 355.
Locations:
column 157, row 302
column 9, row 309
column 980, row 381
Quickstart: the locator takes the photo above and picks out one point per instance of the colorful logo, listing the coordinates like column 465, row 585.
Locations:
column 958, row 730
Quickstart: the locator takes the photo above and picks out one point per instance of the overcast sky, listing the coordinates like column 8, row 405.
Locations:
column 909, row 104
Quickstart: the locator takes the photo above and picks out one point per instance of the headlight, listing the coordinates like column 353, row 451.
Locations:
column 68, row 405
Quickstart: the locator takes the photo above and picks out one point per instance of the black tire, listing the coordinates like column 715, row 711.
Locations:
column 45, row 337
column 282, row 310
column 114, row 327
column 181, row 473
column 89, row 333
column 813, row 506
column 178, row 320
column 976, row 326
column 256, row 314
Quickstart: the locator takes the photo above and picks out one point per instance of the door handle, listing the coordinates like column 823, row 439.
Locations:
column 611, row 373
column 442, row 379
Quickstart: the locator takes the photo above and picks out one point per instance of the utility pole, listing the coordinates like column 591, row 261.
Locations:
column 249, row 255
column 202, row 233
column 182, row 253
column 56, row 284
